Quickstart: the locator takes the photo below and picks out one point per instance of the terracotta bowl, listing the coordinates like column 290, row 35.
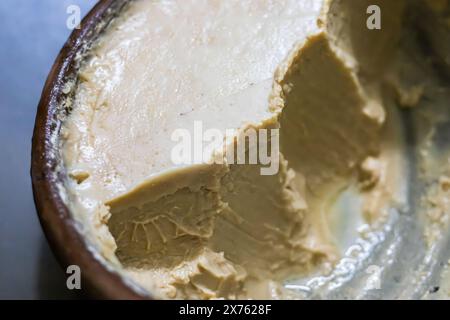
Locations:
column 59, row 226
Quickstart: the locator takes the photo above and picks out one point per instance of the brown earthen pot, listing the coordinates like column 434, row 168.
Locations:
column 59, row 226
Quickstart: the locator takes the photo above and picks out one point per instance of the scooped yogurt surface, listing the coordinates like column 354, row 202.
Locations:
column 296, row 108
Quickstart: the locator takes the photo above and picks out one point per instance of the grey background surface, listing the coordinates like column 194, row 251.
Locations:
column 31, row 34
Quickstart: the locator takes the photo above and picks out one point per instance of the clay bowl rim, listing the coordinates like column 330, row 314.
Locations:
column 66, row 242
